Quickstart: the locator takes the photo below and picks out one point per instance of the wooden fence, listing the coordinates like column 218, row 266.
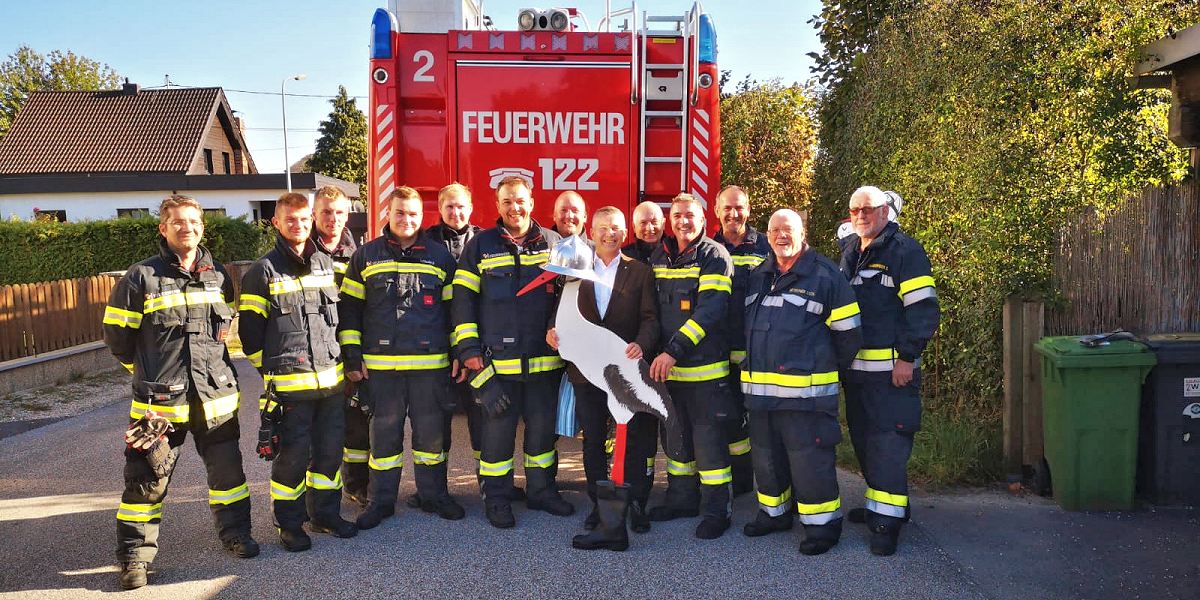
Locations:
column 1138, row 269
column 39, row 317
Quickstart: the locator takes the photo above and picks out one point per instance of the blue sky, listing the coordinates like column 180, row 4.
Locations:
column 254, row 45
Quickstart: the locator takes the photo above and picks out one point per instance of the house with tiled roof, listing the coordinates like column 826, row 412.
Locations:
column 87, row 155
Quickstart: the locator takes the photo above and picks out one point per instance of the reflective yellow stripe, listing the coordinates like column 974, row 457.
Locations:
column 720, row 283
column 254, row 303
column 263, row 404
column 496, row 262
column 737, row 356
column 179, row 298
column 294, row 382
column 535, row 258
column 877, row 354
column 716, row 476
column 916, row 283
column 350, row 337
column 681, row 468
column 886, row 498
column 128, row 366
column 353, row 288
column 746, row 260
column 467, row 279
column 174, row 414
column 318, row 481
column 428, row 458
column 739, row 447
column 680, row 273
column 482, row 377
column 229, row 496
column 790, row 380
column 340, row 267
column 536, row 364
column 354, row 455
column 139, row 513
column 544, row 460
column 842, row 312
column 447, row 293
column 280, row 491
column 122, row 318
column 824, row 507
column 464, row 331
column 392, row 266
column 779, row 500
column 692, row 331
column 220, row 407
column 707, row 372
column 287, row 284
column 386, row 463
column 495, row 469
column 255, row 359
column 411, row 362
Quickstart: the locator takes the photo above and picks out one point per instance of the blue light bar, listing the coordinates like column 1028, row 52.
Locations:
column 382, row 26
column 708, row 40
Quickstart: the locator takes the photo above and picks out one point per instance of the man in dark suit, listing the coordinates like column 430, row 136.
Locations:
column 623, row 301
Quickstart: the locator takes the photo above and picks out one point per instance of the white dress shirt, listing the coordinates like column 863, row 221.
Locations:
column 608, row 278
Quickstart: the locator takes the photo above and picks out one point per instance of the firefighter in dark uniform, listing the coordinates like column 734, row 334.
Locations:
column 166, row 322
column 801, row 326
column 502, row 337
column 647, row 230
column 693, row 275
column 396, row 334
column 891, row 276
column 331, row 209
column 747, row 248
column 288, row 328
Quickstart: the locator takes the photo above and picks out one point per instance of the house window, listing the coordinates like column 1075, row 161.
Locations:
column 214, row 211
column 50, row 215
column 225, row 159
column 208, row 161
column 132, row 213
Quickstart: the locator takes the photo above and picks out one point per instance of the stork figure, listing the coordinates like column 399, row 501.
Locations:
column 599, row 354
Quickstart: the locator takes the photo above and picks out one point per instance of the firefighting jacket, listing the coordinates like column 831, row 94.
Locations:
column 167, row 326
column 746, row 256
column 897, row 296
column 395, row 308
column 489, row 319
column 639, row 250
column 451, row 238
column 693, row 287
column 340, row 254
column 802, row 326
column 289, row 322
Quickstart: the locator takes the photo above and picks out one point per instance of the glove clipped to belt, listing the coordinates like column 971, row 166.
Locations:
column 148, row 437
column 487, row 391
column 357, row 397
column 270, row 423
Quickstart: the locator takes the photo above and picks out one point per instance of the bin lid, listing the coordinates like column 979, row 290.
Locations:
column 1175, row 348
column 1066, row 351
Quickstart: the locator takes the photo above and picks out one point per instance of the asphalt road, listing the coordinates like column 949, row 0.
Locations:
column 59, row 487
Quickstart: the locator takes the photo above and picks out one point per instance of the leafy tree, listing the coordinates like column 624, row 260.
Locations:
column 768, row 144
column 25, row 70
column 342, row 148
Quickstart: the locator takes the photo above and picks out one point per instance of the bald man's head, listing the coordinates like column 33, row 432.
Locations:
column 648, row 222
column 785, row 233
column 570, row 214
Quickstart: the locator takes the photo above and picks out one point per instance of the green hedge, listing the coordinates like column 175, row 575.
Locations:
column 1000, row 123
column 45, row 251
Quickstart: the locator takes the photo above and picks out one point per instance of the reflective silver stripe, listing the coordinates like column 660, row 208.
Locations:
column 751, row 298
column 815, row 307
column 821, row 518
column 916, row 296
column 868, row 273
column 887, row 281
column 774, row 301
column 881, row 508
column 781, row 391
column 794, row 299
column 846, row 324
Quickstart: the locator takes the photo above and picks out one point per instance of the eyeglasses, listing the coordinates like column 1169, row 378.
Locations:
column 855, row 210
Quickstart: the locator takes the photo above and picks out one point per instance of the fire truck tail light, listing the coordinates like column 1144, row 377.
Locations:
column 382, row 26
column 708, row 40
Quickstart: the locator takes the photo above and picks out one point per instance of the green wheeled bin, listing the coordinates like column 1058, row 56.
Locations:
column 1090, row 400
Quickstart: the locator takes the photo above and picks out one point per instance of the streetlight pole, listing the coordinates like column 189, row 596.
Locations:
column 287, row 165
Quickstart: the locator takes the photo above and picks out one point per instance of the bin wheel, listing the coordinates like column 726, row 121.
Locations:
column 1042, row 483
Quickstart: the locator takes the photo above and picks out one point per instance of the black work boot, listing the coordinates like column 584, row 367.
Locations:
column 552, row 502
column 133, row 574
column 500, row 515
column 612, row 501
column 669, row 513
column 444, row 507
column 294, row 540
column 639, row 521
column 593, row 519
column 711, row 528
column 818, row 539
column 884, row 538
column 859, row 515
column 374, row 515
column 241, row 545
column 337, row 527
column 764, row 524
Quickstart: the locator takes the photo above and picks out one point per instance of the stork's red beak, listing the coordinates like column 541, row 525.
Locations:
column 541, row 279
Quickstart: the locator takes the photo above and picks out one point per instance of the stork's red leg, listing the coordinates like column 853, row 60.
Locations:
column 618, row 466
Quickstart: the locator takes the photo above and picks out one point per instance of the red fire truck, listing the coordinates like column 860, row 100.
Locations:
column 620, row 116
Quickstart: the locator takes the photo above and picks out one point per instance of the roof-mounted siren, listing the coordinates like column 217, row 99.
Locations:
column 552, row 19
column 708, row 40
column 383, row 24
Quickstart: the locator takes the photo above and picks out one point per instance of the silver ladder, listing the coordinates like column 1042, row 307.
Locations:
column 673, row 88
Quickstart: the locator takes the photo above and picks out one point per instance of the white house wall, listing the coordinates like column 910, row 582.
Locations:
column 96, row 206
